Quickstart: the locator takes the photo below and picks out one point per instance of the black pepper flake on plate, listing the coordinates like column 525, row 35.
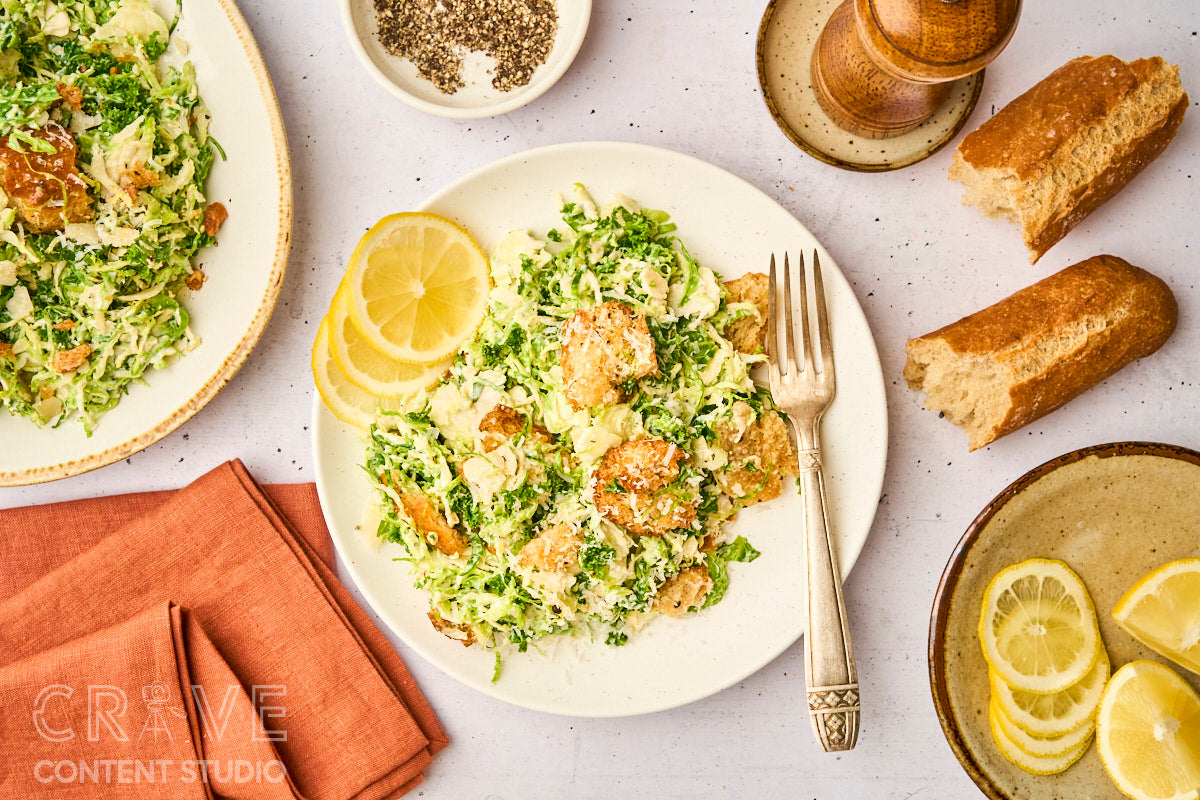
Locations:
column 435, row 35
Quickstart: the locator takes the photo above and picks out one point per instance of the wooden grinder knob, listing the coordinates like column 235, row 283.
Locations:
column 882, row 67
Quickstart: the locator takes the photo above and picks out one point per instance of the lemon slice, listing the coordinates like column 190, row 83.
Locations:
column 1037, row 765
column 1053, row 747
column 369, row 369
column 1148, row 733
column 417, row 287
column 347, row 402
column 1038, row 626
column 1162, row 611
column 1050, row 715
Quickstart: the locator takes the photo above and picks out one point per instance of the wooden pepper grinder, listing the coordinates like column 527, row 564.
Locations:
column 882, row 67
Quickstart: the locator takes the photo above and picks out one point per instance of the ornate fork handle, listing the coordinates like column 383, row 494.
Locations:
column 833, row 698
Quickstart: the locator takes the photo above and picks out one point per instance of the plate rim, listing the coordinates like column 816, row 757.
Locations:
column 319, row 416
column 519, row 99
column 234, row 361
column 948, row 585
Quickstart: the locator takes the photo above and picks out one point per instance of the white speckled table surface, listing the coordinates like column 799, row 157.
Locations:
column 682, row 76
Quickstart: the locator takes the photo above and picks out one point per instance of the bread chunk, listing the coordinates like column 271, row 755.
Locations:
column 1062, row 149
column 632, row 488
column 1018, row 360
column 428, row 522
column 503, row 424
column 748, row 334
column 602, row 347
column 553, row 550
column 684, row 591
column 452, row 630
column 45, row 188
column 760, row 455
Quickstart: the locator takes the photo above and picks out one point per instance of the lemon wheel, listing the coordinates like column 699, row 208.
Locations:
column 1038, row 627
column 1051, row 715
column 417, row 287
column 346, row 401
column 1036, row 765
column 1041, row 747
column 369, row 369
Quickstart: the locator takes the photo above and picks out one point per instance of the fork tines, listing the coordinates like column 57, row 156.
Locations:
column 813, row 343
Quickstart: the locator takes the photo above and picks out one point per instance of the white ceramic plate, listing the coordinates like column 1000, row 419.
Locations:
column 732, row 227
column 478, row 98
column 244, row 272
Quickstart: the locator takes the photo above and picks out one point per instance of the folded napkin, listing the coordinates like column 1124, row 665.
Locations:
column 198, row 638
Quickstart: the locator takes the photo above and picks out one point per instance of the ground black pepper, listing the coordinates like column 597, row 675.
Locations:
column 435, row 34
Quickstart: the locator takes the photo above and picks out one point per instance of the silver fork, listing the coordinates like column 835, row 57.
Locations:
column 803, row 392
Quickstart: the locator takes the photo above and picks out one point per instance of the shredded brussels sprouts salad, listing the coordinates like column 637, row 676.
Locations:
column 572, row 473
column 104, row 153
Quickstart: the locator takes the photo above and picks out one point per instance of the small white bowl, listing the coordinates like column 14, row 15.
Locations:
column 478, row 98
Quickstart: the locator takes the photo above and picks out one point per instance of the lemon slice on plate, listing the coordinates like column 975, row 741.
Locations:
column 1037, row 765
column 1038, row 626
column 1148, row 733
column 417, row 287
column 348, row 403
column 1162, row 611
column 369, row 369
column 1036, row 746
column 1051, row 715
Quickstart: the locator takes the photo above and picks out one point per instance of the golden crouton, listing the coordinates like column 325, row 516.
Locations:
column 748, row 334
column 215, row 215
column 73, row 95
column 138, row 177
column 427, row 520
column 552, row 550
column 759, row 458
column 452, row 630
column 503, row 424
column 65, row 325
column 630, row 488
column 6, row 350
column 686, row 590
column 602, row 347
column 65, row 361
column 46, row 188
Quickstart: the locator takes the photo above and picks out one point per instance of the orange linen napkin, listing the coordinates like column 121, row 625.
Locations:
column 253, row 599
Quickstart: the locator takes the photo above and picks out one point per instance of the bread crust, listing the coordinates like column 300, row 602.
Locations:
column 1101, row 188
column 1139, row 313
column 1026, row 132
column 1037, row 132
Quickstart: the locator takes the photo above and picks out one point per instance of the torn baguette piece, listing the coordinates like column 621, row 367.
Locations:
column 1066, row 146
column 1018, row 360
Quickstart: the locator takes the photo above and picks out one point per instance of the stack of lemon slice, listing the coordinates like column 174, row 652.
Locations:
column 1148, row 726
column 415, row 289
column 1047, row 664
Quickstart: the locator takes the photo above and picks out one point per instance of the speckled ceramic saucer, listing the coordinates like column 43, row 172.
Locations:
column 786, row 37
column 1113, row 512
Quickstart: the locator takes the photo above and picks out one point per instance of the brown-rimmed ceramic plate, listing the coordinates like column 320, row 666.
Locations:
column 787, row 35
column 244, row 273
column 1113, row 512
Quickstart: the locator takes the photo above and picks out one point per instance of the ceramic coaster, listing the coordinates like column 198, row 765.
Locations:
column 786, row 37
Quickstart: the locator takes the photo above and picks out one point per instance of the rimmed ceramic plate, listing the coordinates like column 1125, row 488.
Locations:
column 732, row 227
column 244, row 272
column 1113, row 512
column 478, row 98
